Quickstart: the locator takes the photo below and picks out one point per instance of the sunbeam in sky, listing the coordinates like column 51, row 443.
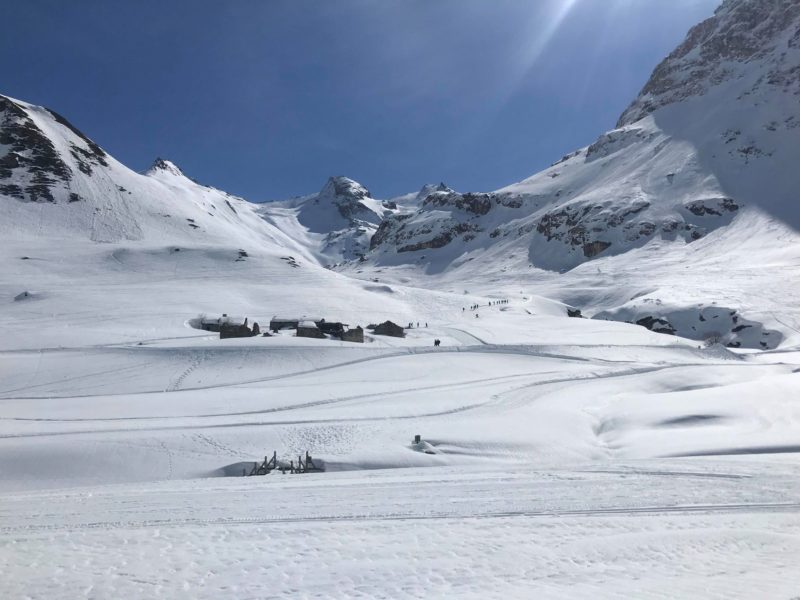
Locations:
column 542, row 35
column 543, row 25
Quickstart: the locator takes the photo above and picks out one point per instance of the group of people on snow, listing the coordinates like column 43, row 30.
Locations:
column 491, row 303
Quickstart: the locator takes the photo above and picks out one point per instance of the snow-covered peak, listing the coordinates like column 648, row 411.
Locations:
column 162, row 166
column 338, row 188
column 342, row 203
column 432, row 188
column 756, row 41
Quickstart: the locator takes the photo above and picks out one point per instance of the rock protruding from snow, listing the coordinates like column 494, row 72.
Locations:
column 711, row 324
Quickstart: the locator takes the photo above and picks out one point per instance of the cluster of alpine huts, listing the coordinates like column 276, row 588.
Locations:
column 318, row 328
column 239, row 327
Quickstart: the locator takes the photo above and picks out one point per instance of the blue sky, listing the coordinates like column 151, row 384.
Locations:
column 267, row 98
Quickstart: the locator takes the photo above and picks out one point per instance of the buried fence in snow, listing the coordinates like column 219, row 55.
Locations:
column 305, row 464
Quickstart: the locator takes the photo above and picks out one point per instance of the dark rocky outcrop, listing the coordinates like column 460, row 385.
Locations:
column 477, row 204
column 442, row 239
column 31, row 151
column 656, row 324
column 712, row 207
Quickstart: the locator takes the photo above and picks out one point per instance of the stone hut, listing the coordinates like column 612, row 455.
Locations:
column 278, row 323
column 309, row 329
column 331, row 327
column 234, row 327
column 353, row 335
column 210, row 323
column 390, row 329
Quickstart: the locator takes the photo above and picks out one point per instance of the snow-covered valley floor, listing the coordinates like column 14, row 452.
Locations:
column 640, row 529
column 569, row 457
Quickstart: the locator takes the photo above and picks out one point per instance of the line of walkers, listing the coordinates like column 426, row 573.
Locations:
column 491, row 303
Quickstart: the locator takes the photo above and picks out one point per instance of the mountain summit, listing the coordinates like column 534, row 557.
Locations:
column 163, row 166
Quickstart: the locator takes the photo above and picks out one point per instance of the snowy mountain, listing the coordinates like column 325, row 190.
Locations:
column 699, row 168
column 337, row 223
column 56, row 182
column 88, row 241
column 713, row 133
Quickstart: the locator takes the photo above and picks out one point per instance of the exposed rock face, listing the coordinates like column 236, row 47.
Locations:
column 441, row 239
column 712, row 207
column 404, row 233
column 30, row 157
column 444, row 217
column 741, row 31
column 476, row 204
column 656, row 324
column 31, row 167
